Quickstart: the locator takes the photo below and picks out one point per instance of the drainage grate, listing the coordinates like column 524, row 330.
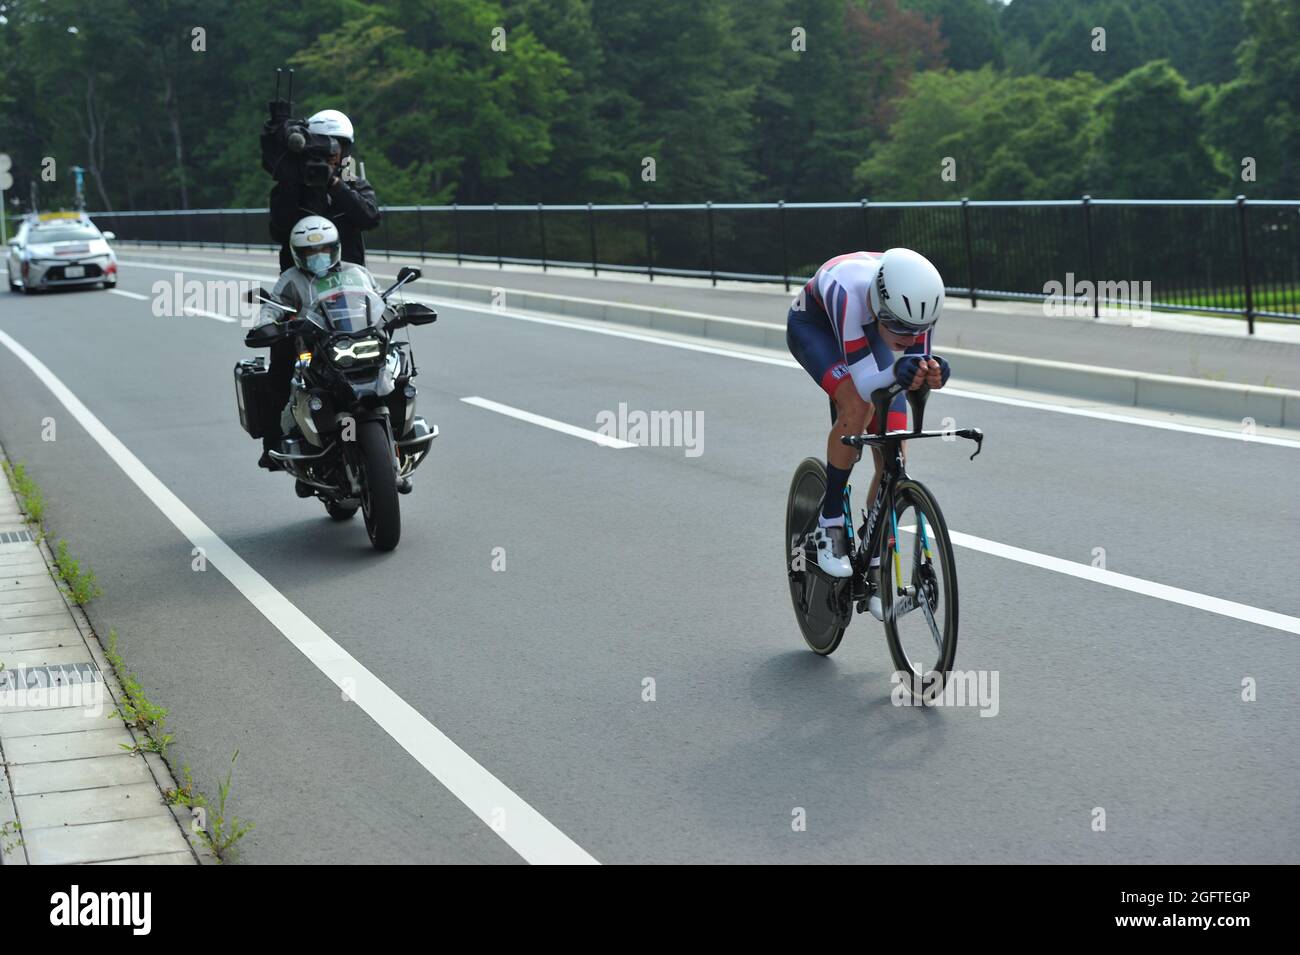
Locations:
column 49, row 677
column 15, row 537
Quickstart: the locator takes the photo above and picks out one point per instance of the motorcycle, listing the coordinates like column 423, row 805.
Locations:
column 356, row 438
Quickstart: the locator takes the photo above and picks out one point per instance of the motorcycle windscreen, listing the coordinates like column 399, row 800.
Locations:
column 350, row 310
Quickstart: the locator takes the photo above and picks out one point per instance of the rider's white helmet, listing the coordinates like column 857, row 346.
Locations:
column 315, row 245
column 330, row 122
column 907, row 295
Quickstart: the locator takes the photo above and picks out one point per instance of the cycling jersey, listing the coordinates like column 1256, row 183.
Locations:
column 832, row 333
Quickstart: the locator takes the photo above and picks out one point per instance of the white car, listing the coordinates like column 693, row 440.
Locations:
column 56, row 249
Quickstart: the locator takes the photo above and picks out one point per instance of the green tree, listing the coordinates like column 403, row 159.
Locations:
column 1150, row 139
column 1007, row 138
column 1258, row 114
column 969, row 29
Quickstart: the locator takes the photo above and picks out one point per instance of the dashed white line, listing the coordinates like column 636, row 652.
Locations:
column 527, row 832
column 189, row 310
column 595, row 437
column 1137, row 585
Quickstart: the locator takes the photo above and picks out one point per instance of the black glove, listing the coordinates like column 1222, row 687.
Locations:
column 907, row 368
column 944, row 370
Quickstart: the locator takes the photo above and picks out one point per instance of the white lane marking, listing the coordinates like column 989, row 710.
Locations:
column 1188, row 598
column 1125, row 419
column 206, row 314
column 527, row 831
column 595, row 437
column 188, row 310
column 1137, row 585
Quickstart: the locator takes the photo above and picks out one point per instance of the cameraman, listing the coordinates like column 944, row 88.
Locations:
column 307, row 161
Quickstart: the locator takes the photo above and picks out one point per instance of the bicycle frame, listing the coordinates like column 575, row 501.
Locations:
column 890, row 445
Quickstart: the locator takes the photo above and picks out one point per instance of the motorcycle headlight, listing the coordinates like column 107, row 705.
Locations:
column 351, row 352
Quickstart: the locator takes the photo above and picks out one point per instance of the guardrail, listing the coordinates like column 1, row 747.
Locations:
column 1222, row 256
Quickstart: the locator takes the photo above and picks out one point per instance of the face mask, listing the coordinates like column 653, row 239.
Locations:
column 319, row 263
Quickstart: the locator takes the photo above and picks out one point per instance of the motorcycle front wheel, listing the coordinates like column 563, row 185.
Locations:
column 378, row 471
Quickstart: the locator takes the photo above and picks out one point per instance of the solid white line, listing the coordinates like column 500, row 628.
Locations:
column 521, row 826
column 135, row 295
column 1137, row 585
column 595, row 437
column 791, row 363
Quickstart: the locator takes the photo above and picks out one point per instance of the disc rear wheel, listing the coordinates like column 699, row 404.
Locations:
column 821, row 606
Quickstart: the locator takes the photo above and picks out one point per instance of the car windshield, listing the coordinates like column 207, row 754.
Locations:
column 63, row 233
column 349, row 310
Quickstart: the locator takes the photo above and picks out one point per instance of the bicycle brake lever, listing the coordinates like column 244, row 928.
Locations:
column 978, row 437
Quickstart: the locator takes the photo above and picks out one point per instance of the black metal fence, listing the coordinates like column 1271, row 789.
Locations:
column 1238, row 257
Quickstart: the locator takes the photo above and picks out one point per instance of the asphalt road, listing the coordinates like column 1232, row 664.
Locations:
column 623, row 565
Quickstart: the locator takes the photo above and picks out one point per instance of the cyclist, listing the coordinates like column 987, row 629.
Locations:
column 844, row 328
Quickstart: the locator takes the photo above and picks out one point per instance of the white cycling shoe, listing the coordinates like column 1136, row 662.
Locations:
column 832, row 545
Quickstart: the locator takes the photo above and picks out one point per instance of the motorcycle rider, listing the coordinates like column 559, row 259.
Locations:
column 316, row 250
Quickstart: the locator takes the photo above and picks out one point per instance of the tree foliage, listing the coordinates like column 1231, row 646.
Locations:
column 566, row 100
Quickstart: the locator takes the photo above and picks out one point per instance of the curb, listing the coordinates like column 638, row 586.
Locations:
column 155, row 769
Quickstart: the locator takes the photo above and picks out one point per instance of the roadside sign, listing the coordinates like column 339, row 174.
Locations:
column 6, row 182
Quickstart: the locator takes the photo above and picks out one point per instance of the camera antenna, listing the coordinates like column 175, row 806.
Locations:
column 290, row 96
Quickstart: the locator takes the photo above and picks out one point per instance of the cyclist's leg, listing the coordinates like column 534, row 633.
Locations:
column 895, row 421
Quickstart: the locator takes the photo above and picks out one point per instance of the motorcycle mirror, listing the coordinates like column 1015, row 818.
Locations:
column 408, row 274
column 416, row 313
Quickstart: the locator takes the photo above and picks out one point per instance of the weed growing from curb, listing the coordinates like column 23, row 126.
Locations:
column 81, row 586
column 219, row 832
column 11, row 837
column 29, row 495
column 136, row 709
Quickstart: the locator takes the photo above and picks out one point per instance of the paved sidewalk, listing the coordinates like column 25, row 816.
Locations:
column 1184, row 345
column 69, row 791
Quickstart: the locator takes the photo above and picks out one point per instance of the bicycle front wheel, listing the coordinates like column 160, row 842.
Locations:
column 918, row 591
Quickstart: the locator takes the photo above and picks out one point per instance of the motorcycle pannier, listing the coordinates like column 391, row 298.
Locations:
column 251, row 395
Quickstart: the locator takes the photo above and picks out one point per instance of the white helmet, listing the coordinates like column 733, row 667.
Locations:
column 907, row 296
column 330, row 122
column 315, row 246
